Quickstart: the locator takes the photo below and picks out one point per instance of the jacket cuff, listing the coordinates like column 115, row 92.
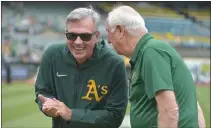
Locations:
column 76, row 115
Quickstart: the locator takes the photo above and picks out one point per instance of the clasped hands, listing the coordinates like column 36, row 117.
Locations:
column 55, row 108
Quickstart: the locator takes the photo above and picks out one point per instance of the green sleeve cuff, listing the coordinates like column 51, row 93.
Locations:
column 76, row 115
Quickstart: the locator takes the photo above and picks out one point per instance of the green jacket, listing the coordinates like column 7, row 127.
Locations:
column 96, row 91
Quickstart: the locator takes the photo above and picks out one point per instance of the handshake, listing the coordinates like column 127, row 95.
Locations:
column 55, row 108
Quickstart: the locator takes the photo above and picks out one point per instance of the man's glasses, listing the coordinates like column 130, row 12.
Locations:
column 84, row 36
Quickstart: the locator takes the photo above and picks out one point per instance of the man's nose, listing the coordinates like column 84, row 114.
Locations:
column 78, row 40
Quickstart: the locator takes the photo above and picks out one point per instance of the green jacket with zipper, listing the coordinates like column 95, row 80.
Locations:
column 96, row 91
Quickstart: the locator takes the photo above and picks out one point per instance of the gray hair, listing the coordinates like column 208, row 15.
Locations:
column 129, row 18
column 82, row 13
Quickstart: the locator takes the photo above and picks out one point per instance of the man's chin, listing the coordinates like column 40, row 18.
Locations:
column 80, row 58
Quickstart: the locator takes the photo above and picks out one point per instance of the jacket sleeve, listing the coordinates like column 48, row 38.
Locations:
column 44, row 80
column 112, row 115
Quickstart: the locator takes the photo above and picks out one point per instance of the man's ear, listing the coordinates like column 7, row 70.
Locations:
column 121, row 30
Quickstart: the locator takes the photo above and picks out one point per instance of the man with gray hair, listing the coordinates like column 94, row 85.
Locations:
column 77, row 83
column 162, row 91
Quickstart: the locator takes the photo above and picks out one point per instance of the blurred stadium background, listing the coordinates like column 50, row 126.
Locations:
column 30, row 27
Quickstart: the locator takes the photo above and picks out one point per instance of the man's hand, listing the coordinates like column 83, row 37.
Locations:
column 49, row 106
column 63, row 110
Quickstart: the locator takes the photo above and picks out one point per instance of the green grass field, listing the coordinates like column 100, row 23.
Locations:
column 20, row 111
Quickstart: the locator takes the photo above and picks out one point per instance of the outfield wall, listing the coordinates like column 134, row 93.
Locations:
column 199, row 68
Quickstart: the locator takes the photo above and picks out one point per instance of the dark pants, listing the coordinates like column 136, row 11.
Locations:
column 8, row 72
column 7, row 66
